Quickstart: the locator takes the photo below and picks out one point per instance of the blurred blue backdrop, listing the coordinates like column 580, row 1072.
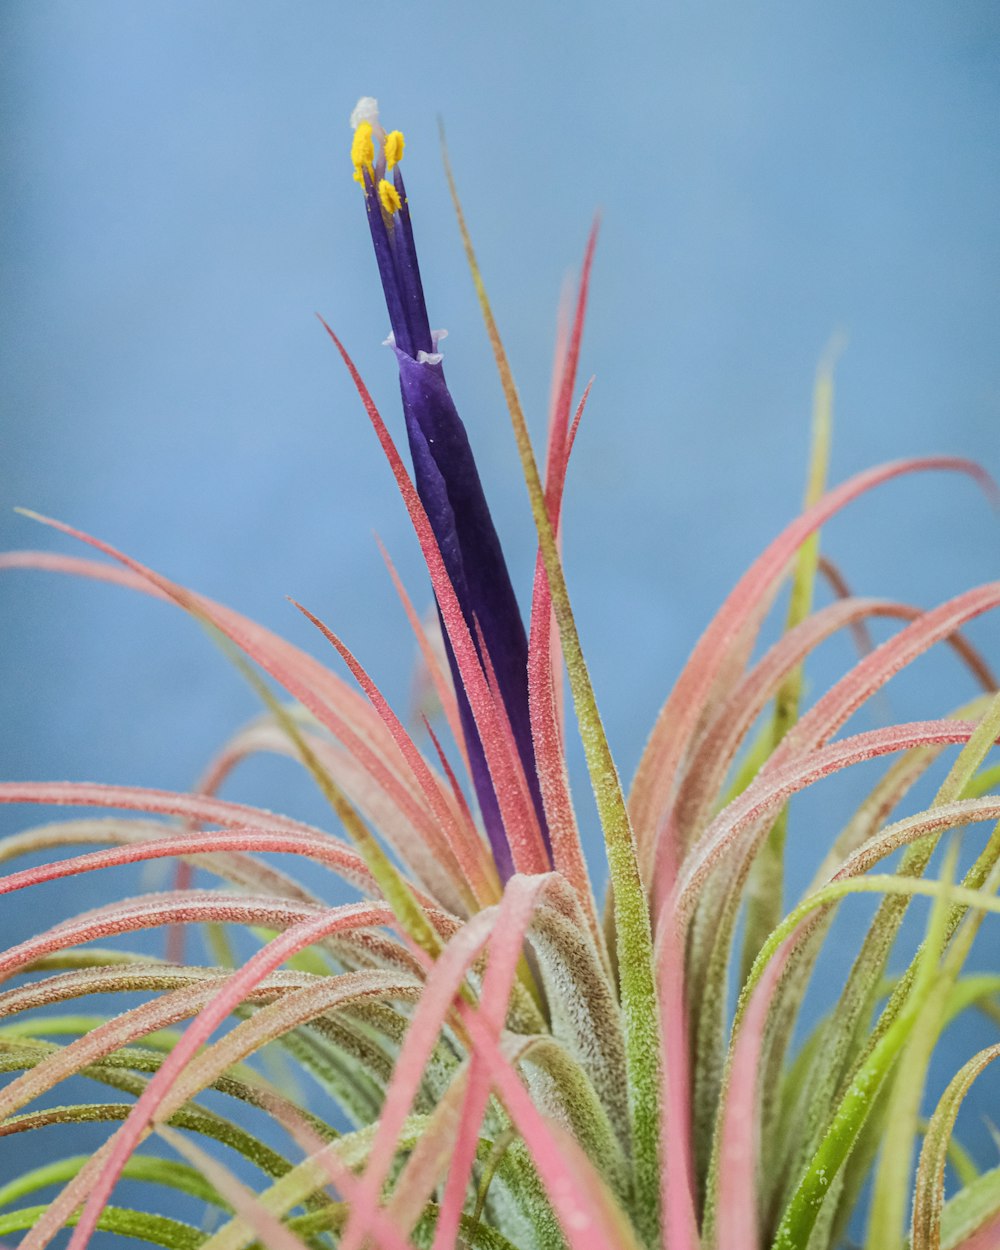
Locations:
column 178, row 203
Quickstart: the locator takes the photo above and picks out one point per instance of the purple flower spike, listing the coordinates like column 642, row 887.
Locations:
column 445, row 472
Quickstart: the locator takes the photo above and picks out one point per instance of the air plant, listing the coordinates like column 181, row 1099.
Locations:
column 475, row 1052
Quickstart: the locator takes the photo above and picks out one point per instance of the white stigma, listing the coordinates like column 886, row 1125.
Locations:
column 366, row 110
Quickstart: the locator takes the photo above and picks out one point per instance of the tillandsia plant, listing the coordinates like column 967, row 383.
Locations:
column 475, row 1053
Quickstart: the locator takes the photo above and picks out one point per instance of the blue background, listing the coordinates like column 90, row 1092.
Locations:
column 178, row 204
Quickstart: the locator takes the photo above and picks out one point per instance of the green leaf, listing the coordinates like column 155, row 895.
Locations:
column 631, row 909
column 765, row 886
column 849, row 1117
column 932, row 988
column 40, row 1027
column 157, row 1230
column 138, row 1168
column 984, row 782
column 929, row 1195
column 840, row 1058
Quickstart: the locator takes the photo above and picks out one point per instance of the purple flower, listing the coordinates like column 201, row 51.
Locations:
column 445, row 472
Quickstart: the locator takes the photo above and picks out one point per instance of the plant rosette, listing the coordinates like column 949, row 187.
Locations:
column 476, row 1052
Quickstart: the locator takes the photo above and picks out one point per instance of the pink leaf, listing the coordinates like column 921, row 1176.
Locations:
column 575, row 1188
column 135, row 1127
column 440, row 679
column 443, row 982
column 460, row 844
column 716, row 749
column 315, row 687
column 870, row 673
column 202, row 808
column 544, row 652
column 669, row 742
column 518, row 817
column 734, row 829
column 985, row 1238
column 737, row 1220
column 516, row 910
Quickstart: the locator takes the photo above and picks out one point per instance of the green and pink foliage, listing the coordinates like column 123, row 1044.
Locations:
column 475, row 1053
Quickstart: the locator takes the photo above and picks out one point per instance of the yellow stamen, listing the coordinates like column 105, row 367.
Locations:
column 389, row 196
column 362, row 151
column 393, row 148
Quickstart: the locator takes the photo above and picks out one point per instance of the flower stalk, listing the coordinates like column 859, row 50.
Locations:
column 447, row 478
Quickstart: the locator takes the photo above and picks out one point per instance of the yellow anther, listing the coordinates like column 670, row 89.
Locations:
column 389, row 196
column 362, row 150
column 393, row 148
